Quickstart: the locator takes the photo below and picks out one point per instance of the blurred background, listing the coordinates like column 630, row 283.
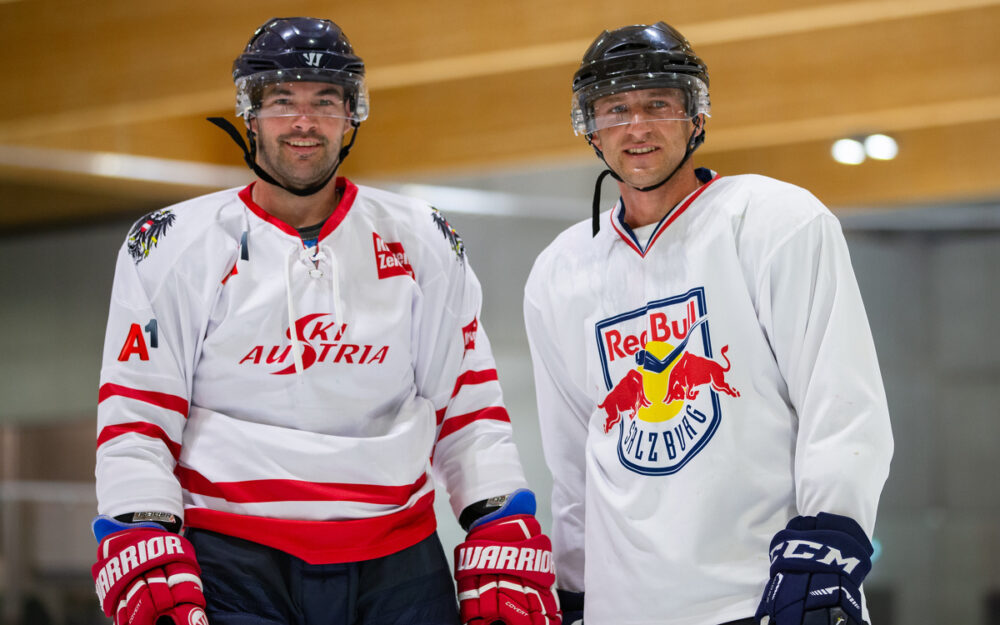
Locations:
column 102, row 120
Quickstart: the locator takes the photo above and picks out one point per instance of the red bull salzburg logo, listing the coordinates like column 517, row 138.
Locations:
column 665, row 403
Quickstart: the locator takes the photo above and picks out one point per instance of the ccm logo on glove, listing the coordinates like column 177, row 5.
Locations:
column 498, row 559
column 809, row 550
column 132, row 557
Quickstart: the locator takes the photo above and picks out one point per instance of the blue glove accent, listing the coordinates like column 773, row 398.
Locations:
column 571, row 604
column 521, row 501
column 103, row 526
column 817, row 564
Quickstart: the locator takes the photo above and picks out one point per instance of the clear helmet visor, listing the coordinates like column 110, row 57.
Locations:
column 638, row 98
column 330, row 93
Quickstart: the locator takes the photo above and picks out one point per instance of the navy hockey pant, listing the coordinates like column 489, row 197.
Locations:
column 249, row 584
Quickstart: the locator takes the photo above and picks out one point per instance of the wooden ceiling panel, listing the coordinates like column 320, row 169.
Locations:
column 460, row 86
column 934, row 165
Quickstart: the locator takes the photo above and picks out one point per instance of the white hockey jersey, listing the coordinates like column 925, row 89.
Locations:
column 697, row 390
column 297, row 397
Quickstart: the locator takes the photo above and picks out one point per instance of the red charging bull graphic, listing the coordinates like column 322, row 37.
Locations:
column 665, row 405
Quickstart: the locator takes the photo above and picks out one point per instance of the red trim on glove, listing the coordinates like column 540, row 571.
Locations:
column 505, row 572
column 125, row 558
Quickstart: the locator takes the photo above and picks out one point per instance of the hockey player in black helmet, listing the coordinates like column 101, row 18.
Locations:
column 310, row 367
column 640, row 58
column 295, row 50
column 712, row 462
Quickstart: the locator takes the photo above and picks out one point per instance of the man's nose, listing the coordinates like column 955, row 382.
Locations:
column 304, row 121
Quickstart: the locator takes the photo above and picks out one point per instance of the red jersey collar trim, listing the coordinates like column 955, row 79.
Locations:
column 348, row 192
column 668, row 219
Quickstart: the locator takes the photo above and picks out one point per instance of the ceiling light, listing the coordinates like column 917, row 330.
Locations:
column 881, row 147
column 848, row 151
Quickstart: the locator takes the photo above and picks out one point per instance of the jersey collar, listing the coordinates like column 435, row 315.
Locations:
column 348, row 192
column 617, row 216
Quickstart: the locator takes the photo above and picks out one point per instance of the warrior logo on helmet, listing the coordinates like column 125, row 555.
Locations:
column 147, row 232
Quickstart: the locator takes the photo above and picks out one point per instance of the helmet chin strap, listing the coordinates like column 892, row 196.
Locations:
column 250, row 156
column 693, row 142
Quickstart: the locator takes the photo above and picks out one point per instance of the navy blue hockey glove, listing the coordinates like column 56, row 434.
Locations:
column 817, row 566
column 571, row 604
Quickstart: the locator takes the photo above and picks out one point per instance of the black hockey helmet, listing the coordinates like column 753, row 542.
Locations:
column 637, row 57
column 296, row 49
column 293, row 49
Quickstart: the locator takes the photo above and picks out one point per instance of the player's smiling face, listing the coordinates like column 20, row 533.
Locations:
column 645, row 133
column 300, row 127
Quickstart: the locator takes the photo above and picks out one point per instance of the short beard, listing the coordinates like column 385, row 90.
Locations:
column 264, row 161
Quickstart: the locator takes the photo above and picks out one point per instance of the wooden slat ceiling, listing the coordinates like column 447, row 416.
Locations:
column 465, row 87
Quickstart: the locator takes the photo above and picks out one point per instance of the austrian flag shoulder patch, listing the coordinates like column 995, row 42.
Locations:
column 390, row 259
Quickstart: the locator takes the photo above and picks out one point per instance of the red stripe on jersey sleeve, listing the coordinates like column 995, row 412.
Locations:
column 453, row 424
column 474, row 377
column 163, row 400
column 440, row 415
column 139, row 427
column 259, row 491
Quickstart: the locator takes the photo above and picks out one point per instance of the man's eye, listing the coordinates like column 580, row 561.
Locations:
column 621, row 109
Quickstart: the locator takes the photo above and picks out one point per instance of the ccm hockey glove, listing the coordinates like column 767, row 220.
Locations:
column 504, row 568
column 817, row 566
column 146, row 575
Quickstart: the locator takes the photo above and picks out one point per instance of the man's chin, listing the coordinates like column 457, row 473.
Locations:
column 300, row 184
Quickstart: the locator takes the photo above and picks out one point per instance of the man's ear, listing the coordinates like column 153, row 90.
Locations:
column 699, row 123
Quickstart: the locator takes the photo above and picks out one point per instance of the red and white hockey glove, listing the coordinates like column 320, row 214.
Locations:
column 504, row 569
column 146, row 575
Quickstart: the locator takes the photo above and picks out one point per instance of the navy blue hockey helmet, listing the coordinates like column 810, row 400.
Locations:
column 295, row 49
column 637, row 57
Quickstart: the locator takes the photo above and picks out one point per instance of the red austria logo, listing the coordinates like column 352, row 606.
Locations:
column 321, row 339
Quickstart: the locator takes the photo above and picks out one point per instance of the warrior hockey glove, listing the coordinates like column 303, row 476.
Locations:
column 817, row 566
column 146, row 575
column 504, row 568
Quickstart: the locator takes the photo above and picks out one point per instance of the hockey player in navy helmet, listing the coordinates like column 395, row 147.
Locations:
column 290, row 368
column 709, row 396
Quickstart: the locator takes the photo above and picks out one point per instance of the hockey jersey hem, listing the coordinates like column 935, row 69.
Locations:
column 326, row 542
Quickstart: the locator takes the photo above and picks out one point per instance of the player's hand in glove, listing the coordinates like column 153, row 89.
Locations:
column 146, row 575
column 817, row 566
column 504, row 568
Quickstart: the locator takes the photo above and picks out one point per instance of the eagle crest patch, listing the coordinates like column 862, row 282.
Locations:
column 449, row 233
column 147, row 232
